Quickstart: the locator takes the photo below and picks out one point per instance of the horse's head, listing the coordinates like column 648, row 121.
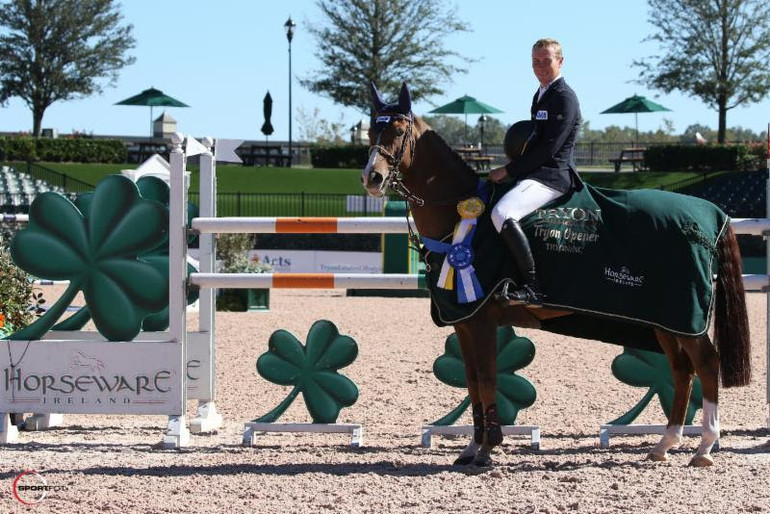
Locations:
column 391, row 142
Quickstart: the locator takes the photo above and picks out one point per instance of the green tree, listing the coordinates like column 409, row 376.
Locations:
column 494, row 131
column 56, row 50
column 452, row 129
column 315, row 129
column 714, row 50
column 385, row 42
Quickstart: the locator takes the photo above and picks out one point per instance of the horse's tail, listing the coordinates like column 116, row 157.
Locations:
column 731, row 322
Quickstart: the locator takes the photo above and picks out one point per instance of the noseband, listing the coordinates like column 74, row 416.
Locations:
column 394, row 180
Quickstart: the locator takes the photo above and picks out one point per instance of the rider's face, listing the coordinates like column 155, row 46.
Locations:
column 546, row 64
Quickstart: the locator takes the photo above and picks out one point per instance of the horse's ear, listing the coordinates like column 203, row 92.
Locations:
column 404, row 99
column 377, row 102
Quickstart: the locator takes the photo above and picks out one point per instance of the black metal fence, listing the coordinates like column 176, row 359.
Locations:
column 290, row 204
column 594, row 155
column 55, row 178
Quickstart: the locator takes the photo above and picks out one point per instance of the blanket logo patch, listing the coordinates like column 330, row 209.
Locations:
column 623, row 277
column 567, row 229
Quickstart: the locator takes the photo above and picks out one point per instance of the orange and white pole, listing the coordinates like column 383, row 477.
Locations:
column 308, row 225
column 307, row 280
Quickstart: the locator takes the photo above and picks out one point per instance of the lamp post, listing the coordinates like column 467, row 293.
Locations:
column 289, row 26
column 482, row 121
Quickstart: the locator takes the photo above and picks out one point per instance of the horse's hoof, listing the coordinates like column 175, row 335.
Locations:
column 657, row 457
column 483, row 458
column 483, row 461
column 701, row 461
column 463, row 461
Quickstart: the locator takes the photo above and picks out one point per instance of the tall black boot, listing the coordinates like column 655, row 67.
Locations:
column 528, row 290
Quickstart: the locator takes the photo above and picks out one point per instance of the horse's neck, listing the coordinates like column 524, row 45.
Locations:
column 441, row 178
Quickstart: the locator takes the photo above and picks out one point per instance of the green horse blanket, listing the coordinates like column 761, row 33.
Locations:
column 642, row 257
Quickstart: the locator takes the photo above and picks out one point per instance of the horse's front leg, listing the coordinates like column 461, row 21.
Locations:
column 472, row 381
column 480, row 333
column 706, row 360
column 682, row 372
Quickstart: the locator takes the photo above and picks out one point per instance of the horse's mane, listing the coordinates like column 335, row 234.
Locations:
column 432, row 137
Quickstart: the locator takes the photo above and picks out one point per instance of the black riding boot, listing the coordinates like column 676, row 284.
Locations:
column 528, row 290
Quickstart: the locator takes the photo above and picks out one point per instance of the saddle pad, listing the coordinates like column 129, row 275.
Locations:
column 643, row 257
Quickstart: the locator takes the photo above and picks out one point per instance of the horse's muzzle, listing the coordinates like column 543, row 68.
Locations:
column 374, row 183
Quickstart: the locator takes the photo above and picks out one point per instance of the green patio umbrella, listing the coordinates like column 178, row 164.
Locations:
column 267, row 110
column 465, row 105
column 635, row 104
column 152, row 97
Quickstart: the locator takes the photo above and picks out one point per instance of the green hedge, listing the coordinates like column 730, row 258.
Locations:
column 703, row 157
column 62, row 150
column 348, row 156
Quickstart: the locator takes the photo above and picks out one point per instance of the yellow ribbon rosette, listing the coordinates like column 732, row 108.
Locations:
column 470, row 208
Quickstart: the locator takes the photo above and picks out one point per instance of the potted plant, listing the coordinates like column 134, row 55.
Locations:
column 233, row 251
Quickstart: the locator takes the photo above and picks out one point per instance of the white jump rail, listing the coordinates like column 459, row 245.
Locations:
column 14, row 218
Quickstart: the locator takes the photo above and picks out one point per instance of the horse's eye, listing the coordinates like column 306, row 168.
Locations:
column 400, row 132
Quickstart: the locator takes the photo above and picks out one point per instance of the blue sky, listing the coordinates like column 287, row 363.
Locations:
column 221, row 58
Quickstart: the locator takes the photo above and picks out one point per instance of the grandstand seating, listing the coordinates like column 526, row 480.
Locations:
column 740, row 194
column 17, row 190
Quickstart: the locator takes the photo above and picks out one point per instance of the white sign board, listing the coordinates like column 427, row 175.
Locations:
column 315, row 261
column 297, row 261
column 91, row 377
column 199, row 380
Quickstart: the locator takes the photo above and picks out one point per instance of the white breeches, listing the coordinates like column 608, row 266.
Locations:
column 523, row 199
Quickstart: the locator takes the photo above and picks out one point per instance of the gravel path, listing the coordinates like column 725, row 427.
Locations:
column 114, row 463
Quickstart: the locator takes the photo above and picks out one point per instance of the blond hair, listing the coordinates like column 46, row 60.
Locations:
column 548, row 42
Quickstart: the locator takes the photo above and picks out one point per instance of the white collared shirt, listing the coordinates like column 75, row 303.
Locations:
column 542, row 89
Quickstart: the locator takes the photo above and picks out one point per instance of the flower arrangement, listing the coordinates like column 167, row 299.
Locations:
column 233, row 251
column 19, row 301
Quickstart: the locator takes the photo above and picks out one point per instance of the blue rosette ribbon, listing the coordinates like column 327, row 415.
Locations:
column 457, row 269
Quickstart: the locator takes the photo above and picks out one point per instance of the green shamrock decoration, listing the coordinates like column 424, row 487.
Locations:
column 514, row 392
column 641, row 368
column 150, row 188
column 312, row 370
column 98, row 255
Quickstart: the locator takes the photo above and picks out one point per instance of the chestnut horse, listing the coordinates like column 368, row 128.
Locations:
column 407, row 156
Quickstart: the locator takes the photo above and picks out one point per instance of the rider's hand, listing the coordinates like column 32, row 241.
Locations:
column 497, row 175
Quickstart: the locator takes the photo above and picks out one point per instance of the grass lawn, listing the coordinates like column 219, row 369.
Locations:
column 246, row 179
column 250, row 179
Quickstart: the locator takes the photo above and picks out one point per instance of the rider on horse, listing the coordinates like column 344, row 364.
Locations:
column 544, row 171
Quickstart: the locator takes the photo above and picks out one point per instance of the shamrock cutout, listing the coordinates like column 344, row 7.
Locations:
column 514, row 392
column 98, row 255
column 312, row 370
column 641, row 368
column 150, row 188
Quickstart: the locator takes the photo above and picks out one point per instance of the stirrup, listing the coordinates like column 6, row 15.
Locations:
column 529, row 294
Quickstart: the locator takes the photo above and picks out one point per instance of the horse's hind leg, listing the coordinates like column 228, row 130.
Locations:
column 682, row 373
column 706, row 361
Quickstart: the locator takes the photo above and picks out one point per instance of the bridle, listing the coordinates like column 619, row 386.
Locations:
column 394, row 180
